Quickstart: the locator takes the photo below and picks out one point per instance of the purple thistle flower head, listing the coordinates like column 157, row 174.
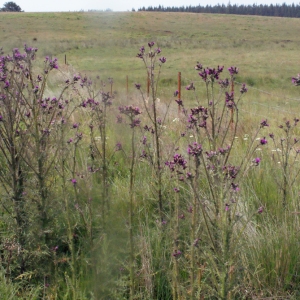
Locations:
column 176, row 93
column 263, row 141
column 135, row 123
column 142, row 49
column 233, row 70
column 176, row 190
column 195, row 149
column 144, row 154
column 158, row 50
column 296, row 80
column 53, row 64
column 229, row 97
column 75, row 125
column 162, row 59
column 76, row 78
column 118, row 146
column 198, row 66
column 179, row 102
column 264, row 123
column 224, row 83
column 6, row 84
column 271, row 135
column 243, row 89
column 235, row 187
column 182, row 217
column 190, row 87
column 230, row 171
column 74, row 181
column 137, row 86
column 260, row 210
column 151, row 44
column 256, row 161
column 176, row 253
column 227, row 207
column 189, row 175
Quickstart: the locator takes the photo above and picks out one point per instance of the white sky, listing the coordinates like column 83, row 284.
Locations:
column 121, row 5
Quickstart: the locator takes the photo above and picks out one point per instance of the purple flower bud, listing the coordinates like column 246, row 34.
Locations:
column 263, row 141
column 176, row 253
column 163, row 60
column 74, row 181
column 233, row 70
column 264, row 123
column 151, row 44
column 296, row 80
column 224, row 83
column 198, row 66
column 118, row 147
column 227, row 207
column 190, row 87
column 256, row 161
column 138, row 86
column 243, row 89
column 260, row 210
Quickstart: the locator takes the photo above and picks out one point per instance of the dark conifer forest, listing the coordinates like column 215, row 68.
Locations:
column 277, row 10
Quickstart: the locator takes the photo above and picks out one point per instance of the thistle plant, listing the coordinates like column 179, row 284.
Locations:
column 150, row 60
column 96, row 102
column 30, row 122
column 285, row 155
column 213, row 178
column 131, row 113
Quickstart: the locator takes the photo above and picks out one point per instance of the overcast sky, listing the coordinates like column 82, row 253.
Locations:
column 121, row 5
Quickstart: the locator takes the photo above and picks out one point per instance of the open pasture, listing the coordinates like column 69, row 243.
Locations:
column 170, row 204
column 265, row 49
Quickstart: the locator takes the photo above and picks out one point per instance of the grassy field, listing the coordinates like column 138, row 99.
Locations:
column 91, row 209
column 265, row 49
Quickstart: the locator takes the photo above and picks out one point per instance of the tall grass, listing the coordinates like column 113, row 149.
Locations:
column 177, row 200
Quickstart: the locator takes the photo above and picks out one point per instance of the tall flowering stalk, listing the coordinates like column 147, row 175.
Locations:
column 150, row 60
column 285, row 154
column 97, row 105
column 131, row 113
column 177, row 166
column 29, row 125
column 215, row 174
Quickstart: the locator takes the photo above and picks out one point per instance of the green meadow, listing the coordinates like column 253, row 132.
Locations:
column 264, row 49
column 174, row 203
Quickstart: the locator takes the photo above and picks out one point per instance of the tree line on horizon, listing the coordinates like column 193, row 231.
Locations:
column 277, row 10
